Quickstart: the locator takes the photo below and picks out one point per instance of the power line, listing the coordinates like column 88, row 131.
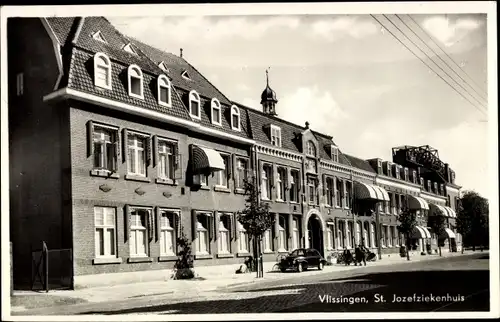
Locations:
column 431, row 59
column 424, row 62
column 432, row 39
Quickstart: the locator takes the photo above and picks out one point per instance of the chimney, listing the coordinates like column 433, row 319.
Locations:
column 181, row 52
column 447, row 172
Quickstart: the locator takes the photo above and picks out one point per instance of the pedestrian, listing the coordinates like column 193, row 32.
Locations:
column 360, row 255
column 347, row 256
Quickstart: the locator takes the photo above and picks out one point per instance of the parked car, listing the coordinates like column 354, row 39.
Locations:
column 302, row 259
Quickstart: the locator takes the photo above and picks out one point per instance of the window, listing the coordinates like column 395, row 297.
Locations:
column 396, row 171
column 335, row 153
column 389, row 169
column 105, row 231
column 139, row 232
column 349, row 234
column 348, row 195
column 282, row 240
column 414, row 176
column 166, row 159
column 241, row 173
column 341, row 234
column 386, row 204
column 295, row 234
column 358, row 233
column 383, row 233
column 330, row 190
column 330, row 237
column 242, row 239
column 373, row 240
column 276, row 136
column 98, row 36
column 311, row 186
column 216, row 112
column 391, row 202
column 339, row 192
column 235, row 118
column 389, row 236
column 164, row 92
column 222, row 176
column 394, row 235
column 102, row 71
column 200, row 179
column 224, row 245
column 136, row 154
column 167, row 233
column 311, row 149
column 406, row 174
column 128, row 48
column 20, row 84
column 397, row 204
column 281, row 184
column 267, row 240
column 105, row 145
column 185, row 75
column 202, row 234
column 194, row 105
column 266, row 182
column 366, row 230
column 135, row 79
column 294, row 186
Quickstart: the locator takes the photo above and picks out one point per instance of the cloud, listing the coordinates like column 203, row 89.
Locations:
column 333, row 29
column 449, row 32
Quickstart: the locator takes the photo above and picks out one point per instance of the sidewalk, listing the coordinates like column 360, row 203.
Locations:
column 216, row 278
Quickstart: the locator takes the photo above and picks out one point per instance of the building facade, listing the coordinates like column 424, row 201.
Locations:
column 117, row 148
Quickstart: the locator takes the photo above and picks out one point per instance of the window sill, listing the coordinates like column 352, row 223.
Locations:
column 225, row 255
column 139, row 260
column 222, row 189
column 104, row 174
column 265, row 199
column 294, row 203
column 280, row 201
column 203, row 256
column 338, row 207
column 110, row 260
column 239, row 191
column 242, row 254
column 137, row 178
column 169, row 182
column 268, row 252
column 327, row 206
column 281, row 252
column 167, row 258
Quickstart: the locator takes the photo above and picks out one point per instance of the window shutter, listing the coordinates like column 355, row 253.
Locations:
column 215, row 223
column 335, row 191
column 229, row 167
column 178, row 166
column 158, row 218
column 177, row 227
column 193, row 224
column 210, row 227
column 290, row 227
column 90, row 139
column 235, row 170
column 155, row 150
column 127, row 221
column 230, row 220
column 289, row 178
column 125, row 144
column 324, row 186
column 149, row 152
column 151, row 225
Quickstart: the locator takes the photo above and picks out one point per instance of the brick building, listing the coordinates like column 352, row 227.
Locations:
column 116, row 147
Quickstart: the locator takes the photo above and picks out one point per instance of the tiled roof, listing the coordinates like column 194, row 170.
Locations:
column 81, row 78
column 62, row 28
column 324, row 142
column 359, row 163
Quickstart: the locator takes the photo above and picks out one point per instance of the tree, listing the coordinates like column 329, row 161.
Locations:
column 255, row 218
column 437, row 224
column 184, row 264
column 472, row 219
column 407, row 222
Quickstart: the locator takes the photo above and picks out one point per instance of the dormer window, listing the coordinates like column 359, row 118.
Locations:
column 275, row 135
column 98, row 36
column 102, row 71
column 379, row 166
column 128, row 48
column 311, row 149
column 422, row 182
column 185, row 75
column 334, row 151
column 216, row 112
column 396, row 171
column 135, row 79
column 406, row 174
column 163, row 67
column 414, row 179
column 389, row 169
column 235, row 118
column 164, row 92
column 194, row 105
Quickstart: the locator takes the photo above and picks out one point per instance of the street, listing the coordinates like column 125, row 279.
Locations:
column 447, row 284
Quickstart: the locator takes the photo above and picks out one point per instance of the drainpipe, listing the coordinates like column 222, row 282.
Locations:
column 377, row 229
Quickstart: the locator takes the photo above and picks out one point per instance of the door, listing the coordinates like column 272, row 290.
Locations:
column 315, row 234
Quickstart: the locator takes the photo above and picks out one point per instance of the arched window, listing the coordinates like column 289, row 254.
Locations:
column 135, row 80
column 102, row 71
column 235, row 118
column 311, row 149
column 194, row 105
column 216, row 112
column 164, row 92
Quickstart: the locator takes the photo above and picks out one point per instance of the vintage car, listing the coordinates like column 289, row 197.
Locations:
column 302, row 259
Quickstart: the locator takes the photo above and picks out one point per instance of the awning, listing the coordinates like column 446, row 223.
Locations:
column 448, row 233
column 418, row 233
column 417, row 203
column 426, row 231
column 205, row 159
column 451, row 212
column 368, row 191
column 438, row 210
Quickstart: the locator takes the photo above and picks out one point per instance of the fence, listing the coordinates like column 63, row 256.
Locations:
column 51, row 268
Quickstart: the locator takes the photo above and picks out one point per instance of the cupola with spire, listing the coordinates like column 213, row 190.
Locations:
column 268, row 98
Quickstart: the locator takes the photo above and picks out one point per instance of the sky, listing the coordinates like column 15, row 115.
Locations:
column 349, row 77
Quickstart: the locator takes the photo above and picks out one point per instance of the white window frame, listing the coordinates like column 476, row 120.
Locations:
column 164, row 82
column 294, row 186
column 168, row 228
column 358, row 236
column 130, row 49
column 106, row 66
column 330, row 236
column 328, row 191
column 215, row 105
column 280, row 183
column 194, row 97
column 20, row 84
column 242, row 236
column 139, row 76
column 109, row 248
column 136, row 152
column 241, row 171
column 206, row 232
column 311, row 149
column 295, row 233
column 266, row 178
column 163, row 66
column 339, row 190
column 166, row 171
column 275, row 132
column 349, row 234
column 267, row 240
column 373, row 235
column 99, row 37
column 389, row 169
column 144, row 229
column 335, row 153
column 311, row 186
column 221, row 230
column 282, row 230
column 113, row 138
column 235, row 111
column 223, row 174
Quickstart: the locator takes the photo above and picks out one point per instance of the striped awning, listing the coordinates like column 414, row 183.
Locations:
column 206, row 159
column 438, row 210
column 451, row 212
column 417, row 203
column 418, row 233
column 426, row 231
column 448, row 233
column 367, row 191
